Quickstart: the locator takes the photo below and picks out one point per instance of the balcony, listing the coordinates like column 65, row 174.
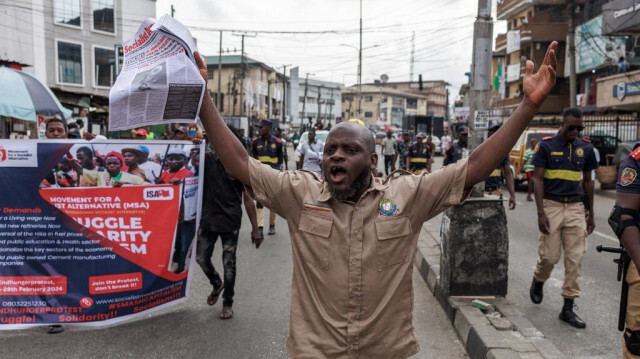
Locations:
column 509, row 8
column 541, row 32
column 501, row 42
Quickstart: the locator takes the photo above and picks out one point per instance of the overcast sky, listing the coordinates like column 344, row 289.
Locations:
column 322, row 36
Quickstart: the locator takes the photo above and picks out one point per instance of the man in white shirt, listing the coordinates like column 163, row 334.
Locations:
column 388, row 149
column 311, row 154
column 445, row 141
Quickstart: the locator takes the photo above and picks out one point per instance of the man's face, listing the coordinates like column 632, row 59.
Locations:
column 241, row 132
column 389, row 134
column 175, row 162
column 179, row 135
column 193, row 152
column 113, row 165
column 82, row 157
column 347, row 163
column 195, row 161
column 264, row 130
column 419, row 140
column 64, row 165
column 405, row 137
column 312, row 136
column 571, row 128
column 55, row 130
column 130, row 159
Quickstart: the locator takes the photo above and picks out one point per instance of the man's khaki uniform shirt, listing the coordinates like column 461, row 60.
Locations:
column 352, row 289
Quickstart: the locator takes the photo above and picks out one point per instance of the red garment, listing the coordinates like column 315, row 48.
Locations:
column 183, row 173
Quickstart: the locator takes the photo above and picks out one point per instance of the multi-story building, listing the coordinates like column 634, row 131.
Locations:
column 435, row 91
column 69, row 46
column 313, row 100
column 248, row 88
column 531, row 26
column 382, row 106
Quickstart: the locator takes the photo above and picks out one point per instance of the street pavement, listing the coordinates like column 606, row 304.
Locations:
column 192, row 329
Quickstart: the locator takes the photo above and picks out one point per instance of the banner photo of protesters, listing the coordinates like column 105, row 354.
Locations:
column 92, row 233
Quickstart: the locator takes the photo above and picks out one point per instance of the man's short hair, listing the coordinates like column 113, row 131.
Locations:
column 55, row 119
column 86, row 150
column 571, row 111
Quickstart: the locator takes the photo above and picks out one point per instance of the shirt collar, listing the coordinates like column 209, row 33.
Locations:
column 376, row 185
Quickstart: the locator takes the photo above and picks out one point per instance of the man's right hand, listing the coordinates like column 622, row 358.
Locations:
column 543, row 223
column 255, row 238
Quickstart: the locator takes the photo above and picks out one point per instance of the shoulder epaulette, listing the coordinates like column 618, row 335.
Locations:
column 448, row 148
column 635, row 154
column 255, row 139
column 586, row 140
column 547, row 138
column 278, row 140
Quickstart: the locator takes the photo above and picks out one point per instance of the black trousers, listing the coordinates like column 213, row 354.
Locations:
column 206, row 243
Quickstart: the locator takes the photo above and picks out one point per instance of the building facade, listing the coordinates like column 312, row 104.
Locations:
column 69, row 45
column 382, row 106
column 313, row 100
column 435, row 91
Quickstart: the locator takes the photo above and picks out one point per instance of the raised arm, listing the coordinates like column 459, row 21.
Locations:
column 488, row 155
column 231, row 152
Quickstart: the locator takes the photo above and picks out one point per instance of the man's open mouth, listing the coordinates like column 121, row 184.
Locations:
column 338, row 173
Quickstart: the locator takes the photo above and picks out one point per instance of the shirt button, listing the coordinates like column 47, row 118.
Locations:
column 355, row 233
column 354, row 262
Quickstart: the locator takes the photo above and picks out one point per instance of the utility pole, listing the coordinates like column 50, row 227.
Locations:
column 413, row 47
column 283, row 111
column 484, row 272
column 219, row 94
column 360, row 65
column 571, row 32
column 304, row 103
column 242, row 66
column 173, row 10
column 229, row 95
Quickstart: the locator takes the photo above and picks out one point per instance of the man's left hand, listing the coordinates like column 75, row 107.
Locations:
column 591, row 224
column 255, row 238
column 512, row 202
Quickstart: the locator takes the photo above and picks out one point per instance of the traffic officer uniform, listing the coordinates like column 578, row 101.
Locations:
column 494, row 181
column 268, row 152
column 453, row 153
column 419, row 155
column 628, row 182
column 564, row 164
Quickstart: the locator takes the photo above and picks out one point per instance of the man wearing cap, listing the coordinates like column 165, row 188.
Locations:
column 180, row 133
column 267, row 149
column 419, row 155
column 402, row 150
column 562, row 174
column 493, row 183
column 151, row 169
column 141, row 134
column 354, row 236
column 132, row 158
column 455, row 151
column 111, row 177
column 176, row 159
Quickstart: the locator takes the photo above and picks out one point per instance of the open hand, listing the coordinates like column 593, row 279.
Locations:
column 537, row 86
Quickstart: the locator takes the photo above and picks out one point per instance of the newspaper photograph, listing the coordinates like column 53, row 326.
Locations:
column 159, row 82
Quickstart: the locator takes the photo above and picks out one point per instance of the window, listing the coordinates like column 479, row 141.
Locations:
column 103, row 15
column 368, row 114
column 104, row 60
column 368, row 99
column 210, row 73
column 301, row 99
column 67, row 12
column 70, row 63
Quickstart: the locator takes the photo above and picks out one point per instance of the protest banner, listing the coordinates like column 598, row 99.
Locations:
column 93, row 244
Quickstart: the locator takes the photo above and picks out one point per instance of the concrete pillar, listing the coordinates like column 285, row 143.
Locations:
column 475, row 248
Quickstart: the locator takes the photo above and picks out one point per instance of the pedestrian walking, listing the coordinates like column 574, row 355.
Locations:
column 222, row 218
column 562, row 180
column 493, row 183
column 418, row 155
column 529, row 167
column 267, row 149
column 354, row 236
column 457, row 149
column 402, row 150
column 626, row 217
column 445, row 140
column 388, row 150
column 432, row 152
column 311, row 154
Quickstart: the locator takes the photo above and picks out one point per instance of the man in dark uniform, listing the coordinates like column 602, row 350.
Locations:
column 562, row 174
column 418, row 155
column 402, row 150
column 628, row 202
column 456, row 150
column 493, row 183
column 267, row 149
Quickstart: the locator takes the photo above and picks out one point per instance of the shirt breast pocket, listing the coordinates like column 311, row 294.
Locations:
column 315, row 241
column 394, row 244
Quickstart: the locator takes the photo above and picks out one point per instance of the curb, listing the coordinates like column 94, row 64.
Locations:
column 504, row 334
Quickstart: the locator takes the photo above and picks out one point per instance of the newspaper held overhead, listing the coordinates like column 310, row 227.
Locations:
column 159, row 82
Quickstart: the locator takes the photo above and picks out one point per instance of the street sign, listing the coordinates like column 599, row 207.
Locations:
column 481, row 120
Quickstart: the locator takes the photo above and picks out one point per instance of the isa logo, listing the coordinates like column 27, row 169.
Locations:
column 18, row 153
column 158, row 193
